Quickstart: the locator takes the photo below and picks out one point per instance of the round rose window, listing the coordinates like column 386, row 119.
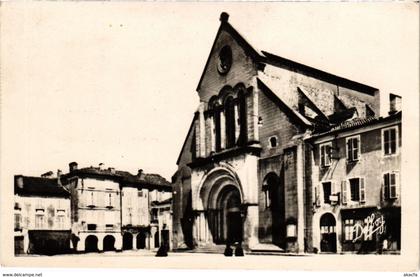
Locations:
column 225, row 60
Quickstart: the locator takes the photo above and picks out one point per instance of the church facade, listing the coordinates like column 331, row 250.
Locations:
column 242, row 171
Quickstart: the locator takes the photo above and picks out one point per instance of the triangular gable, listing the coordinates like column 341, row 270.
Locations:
column 190, row 130
column 307, row 101
column 294, row 115
column 225, row 26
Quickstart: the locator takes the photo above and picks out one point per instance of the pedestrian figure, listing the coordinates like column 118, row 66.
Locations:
column 239, row 252
column 163, row 250
column 228, row 250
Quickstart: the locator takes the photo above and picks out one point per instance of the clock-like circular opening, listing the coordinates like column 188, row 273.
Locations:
column 225, row 60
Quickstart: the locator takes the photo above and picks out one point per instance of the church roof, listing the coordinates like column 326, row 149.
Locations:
column 265, row 57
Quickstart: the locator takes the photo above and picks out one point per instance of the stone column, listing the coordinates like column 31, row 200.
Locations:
column 251, row 226
column 135, row 241
column 202, row 130
column 100, row 243
column 237, row 122
column 222, row 130
column 300, row 184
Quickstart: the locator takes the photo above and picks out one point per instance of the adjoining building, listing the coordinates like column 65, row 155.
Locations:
column 242, row 170
column 41, row 215
column 354, row 187
column 111, row 209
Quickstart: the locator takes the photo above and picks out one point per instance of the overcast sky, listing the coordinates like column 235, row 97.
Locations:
column 115, row 82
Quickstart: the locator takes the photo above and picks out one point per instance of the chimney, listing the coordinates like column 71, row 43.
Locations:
column 72, row 166
column 394, row 103
column 48, row 174
column 59, row 172
column 112, row 170
column 101, row 166
column 140, row 172
column 19, row 181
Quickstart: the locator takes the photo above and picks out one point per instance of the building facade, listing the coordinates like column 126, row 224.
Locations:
column 41, row 216
column 242, row 170
column 355, row 185
column 111, row 209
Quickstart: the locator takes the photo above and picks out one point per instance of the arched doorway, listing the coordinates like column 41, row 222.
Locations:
column 109, row 242
column 127, row 241
column 273, row 190
column 328, row 233
column 91, row 244
column 226, row 219
column 141, row 240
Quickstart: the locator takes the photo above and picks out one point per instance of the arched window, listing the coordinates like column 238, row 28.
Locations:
column 230, row 122
column 215, row 111
column 242, row 117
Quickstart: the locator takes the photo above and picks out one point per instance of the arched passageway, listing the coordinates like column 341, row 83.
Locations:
column 109, row 243
column 127, row 241
column 328, row 233
column 225, row 220
column 141, row 240
column 91, row 244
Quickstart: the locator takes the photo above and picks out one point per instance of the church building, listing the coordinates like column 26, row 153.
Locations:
column 241, row 170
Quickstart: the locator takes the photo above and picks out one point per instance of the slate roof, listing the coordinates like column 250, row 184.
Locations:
column 123, row 177
column 38, row 186
column 358, row 122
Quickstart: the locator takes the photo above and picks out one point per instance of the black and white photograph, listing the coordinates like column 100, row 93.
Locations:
column 277, row 136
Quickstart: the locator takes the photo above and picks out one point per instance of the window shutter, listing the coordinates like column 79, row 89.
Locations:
column 348, row 152
column 321, row 154
column 355, row 149
column 386, row 186
column 344, row 192
column 362, row 190
column 397, row 184
column 317, row 200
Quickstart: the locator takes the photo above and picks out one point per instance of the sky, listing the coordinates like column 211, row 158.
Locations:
column 114, row 83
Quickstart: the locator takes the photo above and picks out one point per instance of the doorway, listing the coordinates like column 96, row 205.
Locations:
column 127, row 241
column 328, row 233
column 91, row 244
column 109, row 242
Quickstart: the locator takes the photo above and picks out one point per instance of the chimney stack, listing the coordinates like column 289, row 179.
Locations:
column 112, row 170
column 394, row 103
column 140, row 172
column 72, row 166
column 19, row 181
column 101, row 166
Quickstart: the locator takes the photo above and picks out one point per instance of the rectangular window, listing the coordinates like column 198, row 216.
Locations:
column 353, row 149
column 109, row 226
column 140, row 193
column 391, row 185
column 357, row 189
column 325, row 154
column 348, row 229
column 60, row 221
column 327, row 192
column 39, row 221
column 389, row 137
column 91, row 227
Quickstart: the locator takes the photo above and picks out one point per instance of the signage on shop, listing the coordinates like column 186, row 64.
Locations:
column 372, row 224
